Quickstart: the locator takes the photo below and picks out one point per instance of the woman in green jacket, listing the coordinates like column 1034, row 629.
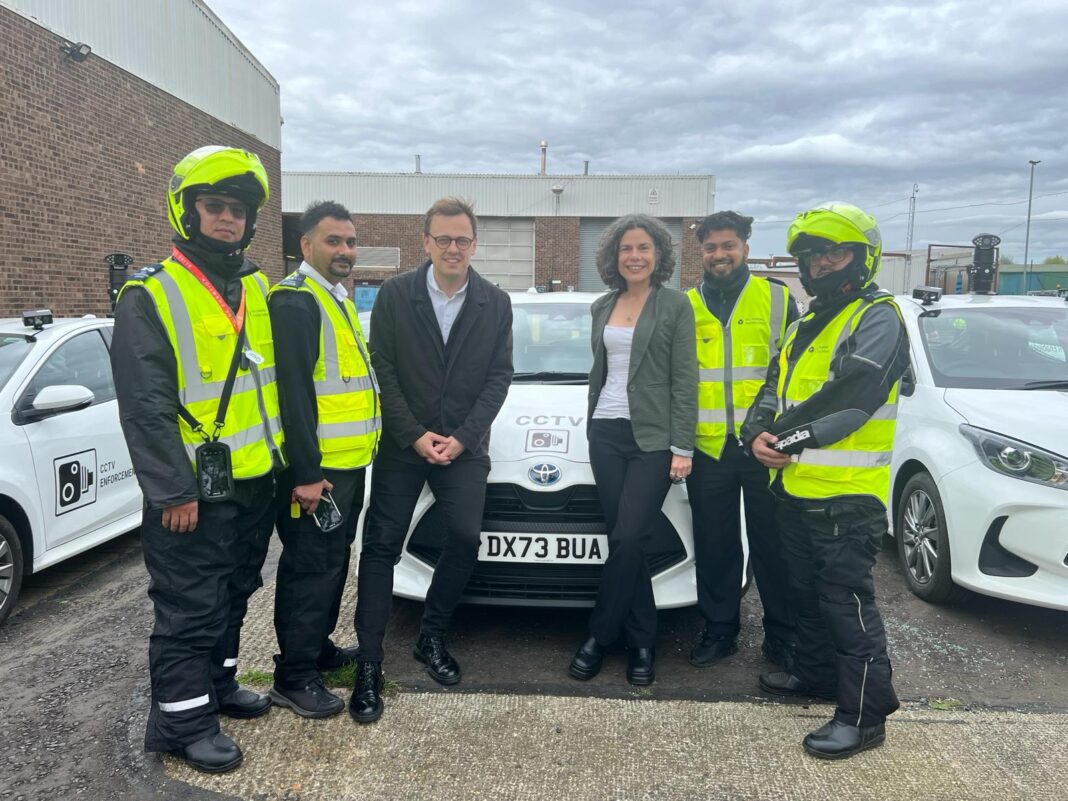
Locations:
column 642, row 414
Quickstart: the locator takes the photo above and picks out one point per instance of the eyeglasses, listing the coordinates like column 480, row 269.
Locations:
column 831, row 253
column 462, row 242
column 214, row 207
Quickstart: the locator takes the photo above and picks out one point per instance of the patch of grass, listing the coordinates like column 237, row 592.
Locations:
column 945, row 704
column 391, row 688
column 259, row 678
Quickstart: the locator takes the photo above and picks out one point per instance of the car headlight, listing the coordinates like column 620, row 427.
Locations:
column 1011, row 457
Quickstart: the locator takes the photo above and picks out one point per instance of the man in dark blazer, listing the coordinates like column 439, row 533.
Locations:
column 441, row 345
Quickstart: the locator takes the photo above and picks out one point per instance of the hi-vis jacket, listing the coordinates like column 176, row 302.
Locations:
column 831, row 399
column 733, row 358
column 203, row 339
column 349, row 415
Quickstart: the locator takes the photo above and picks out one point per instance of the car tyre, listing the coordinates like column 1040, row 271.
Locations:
column 923, row 542
column 10, row 567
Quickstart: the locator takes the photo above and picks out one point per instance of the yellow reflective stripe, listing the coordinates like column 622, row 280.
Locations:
column 339, row 386
column 350, row 429
column 712, row 416
column 829, row 457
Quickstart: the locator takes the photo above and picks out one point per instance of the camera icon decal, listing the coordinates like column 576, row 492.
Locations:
column 547, row 440
column 75, row 481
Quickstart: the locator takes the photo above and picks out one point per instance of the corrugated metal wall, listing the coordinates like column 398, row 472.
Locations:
column 506, row 195
column 179, row 46
column 590, row 232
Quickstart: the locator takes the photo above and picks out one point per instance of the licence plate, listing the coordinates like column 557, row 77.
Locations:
column 591, row 549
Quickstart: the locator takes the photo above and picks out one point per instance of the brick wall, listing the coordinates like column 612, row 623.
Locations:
column 556, row 251
column 87, row 151
column 689, row 263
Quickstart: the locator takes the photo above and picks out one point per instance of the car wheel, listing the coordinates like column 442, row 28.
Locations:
column 10, row 567
column 923, row 542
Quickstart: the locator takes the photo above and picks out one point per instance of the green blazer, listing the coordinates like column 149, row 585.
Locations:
column 662, row 385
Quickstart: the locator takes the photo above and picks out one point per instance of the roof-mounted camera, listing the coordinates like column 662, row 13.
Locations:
column 982, row 271
column 37, row 319
column 927, row 294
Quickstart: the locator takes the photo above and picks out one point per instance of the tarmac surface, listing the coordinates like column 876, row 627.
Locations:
column 984, row 688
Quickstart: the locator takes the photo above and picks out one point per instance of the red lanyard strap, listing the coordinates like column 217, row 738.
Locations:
column 238, row 320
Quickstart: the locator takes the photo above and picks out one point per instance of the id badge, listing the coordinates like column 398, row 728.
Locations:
column 215, row 475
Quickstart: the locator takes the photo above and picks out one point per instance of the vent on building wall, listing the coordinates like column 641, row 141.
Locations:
column 377, row 258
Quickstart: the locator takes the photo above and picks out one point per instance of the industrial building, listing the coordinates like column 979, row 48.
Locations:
column 100, row 101
column 534, row 230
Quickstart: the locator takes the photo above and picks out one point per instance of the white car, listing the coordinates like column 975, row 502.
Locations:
column 544, row 539
column 66, row 481
column 980, row 465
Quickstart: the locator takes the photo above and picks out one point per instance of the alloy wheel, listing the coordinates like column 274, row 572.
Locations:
column 920, row 537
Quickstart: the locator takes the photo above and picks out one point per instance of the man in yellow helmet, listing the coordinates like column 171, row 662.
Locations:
column 194, row 372
column 741, row 319
column 824, row 422
column 332, row 420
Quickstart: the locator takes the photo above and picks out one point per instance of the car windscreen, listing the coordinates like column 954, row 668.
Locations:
column 997, row 347
column 13, row 349
column 551, row 342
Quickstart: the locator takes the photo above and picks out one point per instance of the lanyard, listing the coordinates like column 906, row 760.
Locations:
column 236, row 321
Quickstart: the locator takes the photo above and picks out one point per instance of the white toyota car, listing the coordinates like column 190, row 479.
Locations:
column 66, row 481
column 544, row 539
column 980, row 465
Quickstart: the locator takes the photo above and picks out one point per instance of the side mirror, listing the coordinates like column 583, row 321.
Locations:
column 57, row 399
column 908, row 383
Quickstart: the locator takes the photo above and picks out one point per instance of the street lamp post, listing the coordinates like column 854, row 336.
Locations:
column 1027, row 236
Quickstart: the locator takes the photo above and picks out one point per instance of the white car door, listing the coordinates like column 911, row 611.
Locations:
column 83, row 468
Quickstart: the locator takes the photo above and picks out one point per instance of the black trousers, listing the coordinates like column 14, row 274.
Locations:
column 460, row 492
column 841, row 643
column 312, row 571
column 200, row 583
column 715, row 487
column 632, row 485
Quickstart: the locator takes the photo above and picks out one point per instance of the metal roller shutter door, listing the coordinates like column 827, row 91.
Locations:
column 505, row 253
column 590, row 231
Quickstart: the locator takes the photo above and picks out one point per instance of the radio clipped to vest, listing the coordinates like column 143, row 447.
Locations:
column 215, row 471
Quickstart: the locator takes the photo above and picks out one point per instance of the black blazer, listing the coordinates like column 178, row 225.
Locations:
column 662, row 383
column 454, row 390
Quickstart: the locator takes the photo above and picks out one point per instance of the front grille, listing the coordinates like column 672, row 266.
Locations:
column 514, row 509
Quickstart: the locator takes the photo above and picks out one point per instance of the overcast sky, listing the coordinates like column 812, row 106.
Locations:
column 787, row 103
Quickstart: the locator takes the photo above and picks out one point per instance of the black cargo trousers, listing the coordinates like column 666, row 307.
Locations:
column 830, row 549
column 200, row 583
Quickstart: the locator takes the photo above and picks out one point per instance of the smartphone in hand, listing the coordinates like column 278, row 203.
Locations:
column 327, row 516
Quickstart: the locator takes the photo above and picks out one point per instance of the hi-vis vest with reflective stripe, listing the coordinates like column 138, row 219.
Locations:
column 350, row 418
column 733, row 358
column 859, row 464
column 203, row 340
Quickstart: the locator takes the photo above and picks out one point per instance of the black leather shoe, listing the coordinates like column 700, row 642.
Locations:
column 245, row 704
column 779, row 653
column 215, row 753
column 711, row 649
column 838, row 740
column 430, row 650
column 587, row 660
column 313, row 701
column 640, row 663
column 366, row 704
column 789, row 686
column 338, row 659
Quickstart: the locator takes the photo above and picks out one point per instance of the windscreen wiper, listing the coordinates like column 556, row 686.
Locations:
column 1050, row 384
column 549, row 375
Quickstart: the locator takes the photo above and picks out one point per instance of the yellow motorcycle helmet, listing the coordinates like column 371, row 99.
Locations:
column 226, row 171
column 840, row 224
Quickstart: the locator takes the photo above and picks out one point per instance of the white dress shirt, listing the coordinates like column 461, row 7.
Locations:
column 446, row 309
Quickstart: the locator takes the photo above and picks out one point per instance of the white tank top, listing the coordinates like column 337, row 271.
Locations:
column 613, row 402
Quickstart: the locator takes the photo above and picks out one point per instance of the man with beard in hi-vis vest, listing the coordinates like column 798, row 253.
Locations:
column 741, row 319
column 332, row 420
column 824, row 422
column 193, row 357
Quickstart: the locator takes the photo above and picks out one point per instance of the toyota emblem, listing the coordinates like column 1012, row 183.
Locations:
column 544, row 474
